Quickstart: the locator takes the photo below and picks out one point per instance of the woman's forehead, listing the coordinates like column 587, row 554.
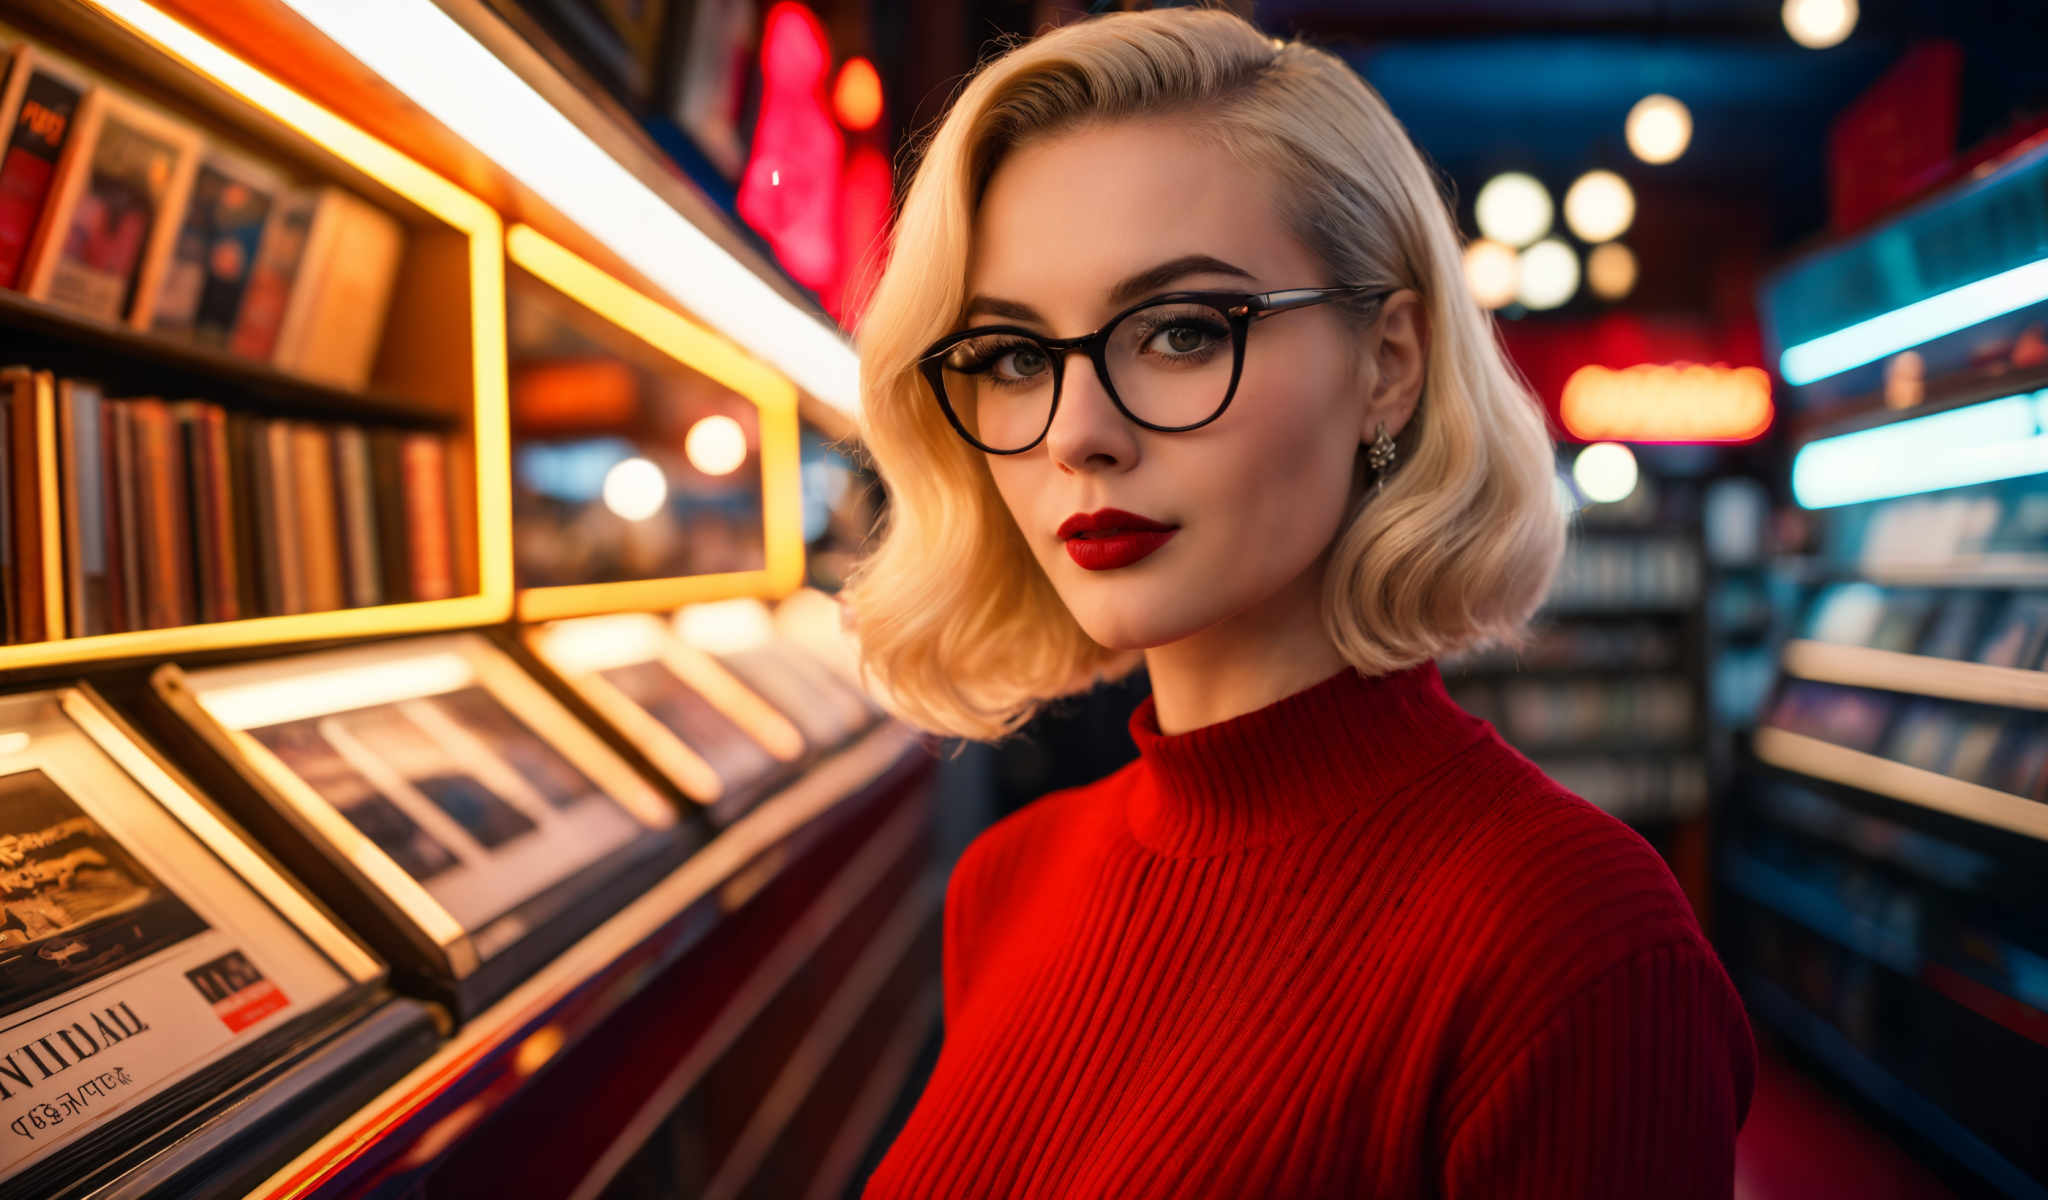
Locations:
column 1066, row 218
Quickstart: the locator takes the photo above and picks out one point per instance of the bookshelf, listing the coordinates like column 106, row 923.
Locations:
column 439, row 366
column 1919, row 674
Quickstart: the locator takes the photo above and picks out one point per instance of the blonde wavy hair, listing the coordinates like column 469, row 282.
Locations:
column 958, row 626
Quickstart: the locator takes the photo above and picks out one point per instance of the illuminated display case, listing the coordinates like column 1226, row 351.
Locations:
column 1885, row 860
column 582, row 968
column 437, row 796
column 160, row 983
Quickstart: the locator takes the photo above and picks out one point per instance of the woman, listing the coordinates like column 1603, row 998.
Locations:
column 1174, row 358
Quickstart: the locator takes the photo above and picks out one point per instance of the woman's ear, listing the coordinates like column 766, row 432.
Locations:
column 1400, row 352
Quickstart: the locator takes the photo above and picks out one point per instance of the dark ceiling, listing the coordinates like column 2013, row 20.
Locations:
column 1543, row 86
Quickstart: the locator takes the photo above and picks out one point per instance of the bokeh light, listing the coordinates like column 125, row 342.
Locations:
column 1659, row 128
column 1549, row 275
column 1599, row 207
column 1514, row 208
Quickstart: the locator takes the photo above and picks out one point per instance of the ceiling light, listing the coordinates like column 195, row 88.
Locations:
column 1513, row 208
column 1611, row 270
column 1599, row 206
column 1659, row 128
column 1606, row 472
column 1549, row 276
column 1492, row 270
column 423, row 53
column 1818, row 24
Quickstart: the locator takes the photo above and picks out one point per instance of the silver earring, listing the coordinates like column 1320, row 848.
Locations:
column 1380, row 457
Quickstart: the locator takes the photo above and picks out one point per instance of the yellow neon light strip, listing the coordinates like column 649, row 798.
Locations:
column 704, row 351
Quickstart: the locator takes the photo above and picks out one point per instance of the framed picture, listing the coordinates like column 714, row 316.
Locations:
column 437, row 780
column 113, row 211
column 741, row 635
column 148, row 956
column 711, row 736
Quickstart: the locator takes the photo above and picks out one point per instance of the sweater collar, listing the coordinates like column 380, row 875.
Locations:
column 1297, row 763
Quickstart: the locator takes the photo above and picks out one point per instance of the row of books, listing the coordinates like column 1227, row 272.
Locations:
column 1535, row 711
column 1995, row 747
column 1970, row 525
column 171, row 513
column 1645, row 645
column 1994, row 627
column 1615, row 572
column 1634, row 789
column 118, row 211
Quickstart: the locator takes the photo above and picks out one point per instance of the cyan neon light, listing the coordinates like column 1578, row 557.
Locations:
column 1998, row 439
column 1921, row 321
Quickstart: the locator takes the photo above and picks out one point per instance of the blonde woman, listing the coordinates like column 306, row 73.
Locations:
column 1174, row 358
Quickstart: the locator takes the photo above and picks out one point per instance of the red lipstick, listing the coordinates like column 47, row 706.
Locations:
column 1110, row 538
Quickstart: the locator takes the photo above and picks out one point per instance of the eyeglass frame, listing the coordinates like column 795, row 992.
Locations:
column 1239, row 308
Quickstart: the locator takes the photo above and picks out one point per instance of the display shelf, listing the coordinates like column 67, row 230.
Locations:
column 1777, row 1009
column 834, row 1172
column 441, row 362
column 693, row 348
column 485, row 1063
column 887, row 954
column 1890, row 671
column 1811, row 756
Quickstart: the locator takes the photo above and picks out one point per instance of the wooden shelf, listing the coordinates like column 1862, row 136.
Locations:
column 130, row 362
column 1980, row 571
column 1811, row 756
column 1890, row 671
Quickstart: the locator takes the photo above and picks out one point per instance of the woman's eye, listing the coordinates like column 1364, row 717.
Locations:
column 1182, row 339
column 1021, row 363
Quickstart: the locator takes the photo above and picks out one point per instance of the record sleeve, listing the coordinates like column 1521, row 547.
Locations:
column 435, row 781
column 213, row 256
column 148, row 957
column 711, row 737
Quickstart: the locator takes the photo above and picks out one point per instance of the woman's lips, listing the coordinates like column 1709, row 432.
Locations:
column 1110, row 538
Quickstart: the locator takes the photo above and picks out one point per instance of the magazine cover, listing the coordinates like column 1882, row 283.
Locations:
column 131, row 956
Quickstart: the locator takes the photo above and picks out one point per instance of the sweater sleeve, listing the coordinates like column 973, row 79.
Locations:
column 1634, row 1088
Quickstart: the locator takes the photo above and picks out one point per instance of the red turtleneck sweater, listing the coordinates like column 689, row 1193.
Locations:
column 1351, row 944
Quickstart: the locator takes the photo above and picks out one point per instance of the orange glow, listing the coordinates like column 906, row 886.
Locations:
column 857, row 97
column 1682, row 402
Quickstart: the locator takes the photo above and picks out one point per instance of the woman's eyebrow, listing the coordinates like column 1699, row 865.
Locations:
column 1151, row 279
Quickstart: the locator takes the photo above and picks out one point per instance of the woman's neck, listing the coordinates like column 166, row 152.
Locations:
column 1246, row 662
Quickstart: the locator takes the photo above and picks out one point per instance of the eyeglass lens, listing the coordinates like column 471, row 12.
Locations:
column 1170, row 365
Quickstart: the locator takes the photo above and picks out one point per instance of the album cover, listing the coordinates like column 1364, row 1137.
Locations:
column 215, row 251
column 122, row 182
column 444, row 759
column 142, row 948
column 74, row 904
column 1956, row 626
column 736, row 758
column 301, row 746
column 2015, row 637
column 36, row 118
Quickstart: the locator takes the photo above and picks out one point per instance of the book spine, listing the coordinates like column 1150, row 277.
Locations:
column 394, row 544
column 358, row 515
column 196, row 514
column 70, row 502
column 319, row 520
column 29, row 168
column 227, row 582
column 284, row 517
column 426, row 506
column 9, row 617
column 25, row 514
column 89, row 426
column 124, row 555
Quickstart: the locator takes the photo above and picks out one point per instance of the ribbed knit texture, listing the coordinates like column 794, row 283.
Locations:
column 1348, row 945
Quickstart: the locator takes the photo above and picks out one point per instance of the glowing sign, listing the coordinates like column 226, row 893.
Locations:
column 790, row 191
column 1682, row 402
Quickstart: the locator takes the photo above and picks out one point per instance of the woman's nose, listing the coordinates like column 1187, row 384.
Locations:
column 1088, row 433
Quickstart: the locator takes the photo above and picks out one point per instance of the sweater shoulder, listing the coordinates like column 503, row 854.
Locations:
column 1559, row 886
column 1058, row 827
